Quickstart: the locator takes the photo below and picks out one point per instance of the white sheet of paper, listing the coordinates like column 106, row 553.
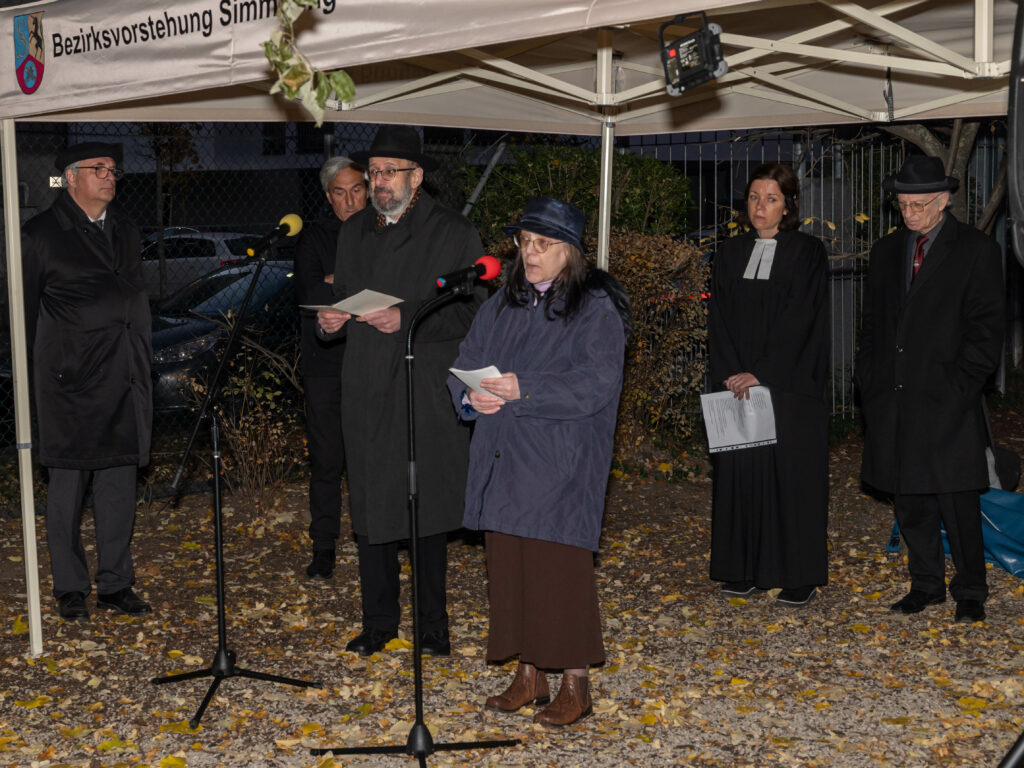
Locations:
column 363, row 303
column 734, row 424
column 472, row 378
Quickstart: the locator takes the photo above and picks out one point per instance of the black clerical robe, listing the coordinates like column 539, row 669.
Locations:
column 770, row 503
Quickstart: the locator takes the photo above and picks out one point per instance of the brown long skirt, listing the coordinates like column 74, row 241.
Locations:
column 543, row 603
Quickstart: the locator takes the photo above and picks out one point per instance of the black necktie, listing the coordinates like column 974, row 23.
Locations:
column 99, row 223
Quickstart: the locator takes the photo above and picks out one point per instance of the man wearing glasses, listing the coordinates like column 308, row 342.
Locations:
column 931, row 335
column 399, row 246
column 88, row 329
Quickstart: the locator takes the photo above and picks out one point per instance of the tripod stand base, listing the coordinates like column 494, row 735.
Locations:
column 223, row 667
column 420, row 745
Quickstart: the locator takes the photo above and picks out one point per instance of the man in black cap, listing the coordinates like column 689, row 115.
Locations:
column 399, row 247
column 88, row 331
column 932, row 334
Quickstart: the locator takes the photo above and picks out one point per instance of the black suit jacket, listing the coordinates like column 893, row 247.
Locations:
column 925, row 354
column 314, row 259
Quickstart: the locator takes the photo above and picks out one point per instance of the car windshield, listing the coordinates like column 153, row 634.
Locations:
column 220, row 293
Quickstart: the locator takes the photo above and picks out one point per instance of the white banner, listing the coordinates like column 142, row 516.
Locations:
column 58, row 55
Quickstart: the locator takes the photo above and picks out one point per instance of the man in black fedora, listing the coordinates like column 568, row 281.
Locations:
column 399, row 247
column 931, row 335
column 87, row 324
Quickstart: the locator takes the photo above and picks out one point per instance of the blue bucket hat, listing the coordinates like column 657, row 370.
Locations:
column 551, row 218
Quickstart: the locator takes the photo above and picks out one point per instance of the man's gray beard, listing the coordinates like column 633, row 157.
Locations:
column 397, row 206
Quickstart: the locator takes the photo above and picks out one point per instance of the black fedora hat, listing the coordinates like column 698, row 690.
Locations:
column 76, row 153
column 401, row 141
column 920, row 175
column 551, row 218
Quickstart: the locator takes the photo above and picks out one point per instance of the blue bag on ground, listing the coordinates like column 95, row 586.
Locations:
column 1002, row 527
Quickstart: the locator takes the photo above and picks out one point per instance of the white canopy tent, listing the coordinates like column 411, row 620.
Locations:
column 583, row 67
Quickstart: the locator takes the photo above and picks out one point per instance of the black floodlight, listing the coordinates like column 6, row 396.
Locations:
column 691, row 60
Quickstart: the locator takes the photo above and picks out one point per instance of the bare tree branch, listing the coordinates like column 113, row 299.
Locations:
column 919, row 136
column 954, row 141
column 959, row 156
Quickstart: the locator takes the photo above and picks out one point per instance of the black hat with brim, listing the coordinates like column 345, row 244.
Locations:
column 920, row 175
column 76, row 153
column 399, row 141
column 551, row 218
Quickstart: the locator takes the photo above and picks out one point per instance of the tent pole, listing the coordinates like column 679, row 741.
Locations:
column 605, row 95
column 19, row 360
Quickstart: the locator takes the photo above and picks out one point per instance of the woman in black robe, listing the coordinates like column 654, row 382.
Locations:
column 769, row 326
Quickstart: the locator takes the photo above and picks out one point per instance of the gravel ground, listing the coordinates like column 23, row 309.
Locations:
column 691, row 679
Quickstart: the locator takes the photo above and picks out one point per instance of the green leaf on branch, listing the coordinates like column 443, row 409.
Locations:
column 341, row 83
column 296, row 75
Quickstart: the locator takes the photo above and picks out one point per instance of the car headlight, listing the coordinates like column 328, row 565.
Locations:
column 186, row 350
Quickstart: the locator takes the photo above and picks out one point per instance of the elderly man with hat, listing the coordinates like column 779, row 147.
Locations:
column 932, row 334
column 88, row 327
column 399, row 247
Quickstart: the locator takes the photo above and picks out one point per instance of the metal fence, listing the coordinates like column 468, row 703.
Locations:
column 199, row 191
column 841, row 201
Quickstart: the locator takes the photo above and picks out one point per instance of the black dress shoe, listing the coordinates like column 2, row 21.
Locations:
column 370, row 641
column 916, row 601
column 970, row 610
column 797, row 596
column 740, row 589
column 72, row 606
column 436, row 643
column 322, row 565
column 123, row 601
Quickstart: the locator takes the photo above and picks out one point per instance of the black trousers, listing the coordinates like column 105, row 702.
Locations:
column 114, row 496
column 326, row 456
column 919, row 516
column 378, row 583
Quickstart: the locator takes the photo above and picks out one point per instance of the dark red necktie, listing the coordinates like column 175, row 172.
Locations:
column 919, row 254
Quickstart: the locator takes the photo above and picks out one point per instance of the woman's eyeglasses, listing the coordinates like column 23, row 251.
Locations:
column 540, row 245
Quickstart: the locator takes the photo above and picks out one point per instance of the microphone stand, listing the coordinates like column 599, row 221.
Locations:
column 223, row 665
column 419, row 743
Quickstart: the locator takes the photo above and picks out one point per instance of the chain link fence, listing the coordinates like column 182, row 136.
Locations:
column 202, row 193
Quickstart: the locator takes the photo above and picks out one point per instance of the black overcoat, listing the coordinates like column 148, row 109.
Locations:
column 87, row 324
column 404, row 260
column 924, row 357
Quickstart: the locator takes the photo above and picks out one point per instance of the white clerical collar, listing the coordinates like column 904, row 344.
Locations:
column 760, row 264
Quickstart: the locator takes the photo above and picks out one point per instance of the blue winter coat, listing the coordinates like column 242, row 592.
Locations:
column 538, row 468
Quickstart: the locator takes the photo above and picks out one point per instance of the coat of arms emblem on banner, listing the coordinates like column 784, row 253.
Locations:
column 28, row 50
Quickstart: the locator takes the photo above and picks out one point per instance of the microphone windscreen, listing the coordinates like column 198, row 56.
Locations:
column 294, row 223
column 491, row 265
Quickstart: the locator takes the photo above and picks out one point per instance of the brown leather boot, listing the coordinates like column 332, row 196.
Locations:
column 572, row 703
column 529, row 686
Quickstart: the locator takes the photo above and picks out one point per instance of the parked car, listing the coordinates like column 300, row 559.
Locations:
column 189, row 335
column 189, row 254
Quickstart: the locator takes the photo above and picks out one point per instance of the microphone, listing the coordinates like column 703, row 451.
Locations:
column 486, row 268
column 289, row 226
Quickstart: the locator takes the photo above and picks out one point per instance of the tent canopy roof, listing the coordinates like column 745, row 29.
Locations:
column 791, row 62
